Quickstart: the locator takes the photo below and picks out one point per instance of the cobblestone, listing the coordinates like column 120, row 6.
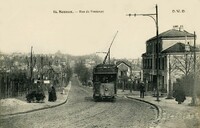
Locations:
column 172, row 114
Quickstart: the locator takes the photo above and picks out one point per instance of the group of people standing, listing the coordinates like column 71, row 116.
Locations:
column 178, row 92
column 37, row 93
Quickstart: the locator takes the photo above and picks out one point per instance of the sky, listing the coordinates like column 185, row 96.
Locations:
column 26, row 23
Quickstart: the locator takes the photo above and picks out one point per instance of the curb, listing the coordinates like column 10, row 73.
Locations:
column 42, row 108
column 159, row 110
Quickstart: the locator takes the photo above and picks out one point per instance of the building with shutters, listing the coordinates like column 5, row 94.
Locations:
column 175, row 49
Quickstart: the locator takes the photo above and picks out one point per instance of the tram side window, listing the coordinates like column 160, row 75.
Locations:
column 112, row 78
column 104, row 78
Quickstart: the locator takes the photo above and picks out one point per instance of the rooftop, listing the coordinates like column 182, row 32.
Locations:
column 173, row 33
column 179, row 48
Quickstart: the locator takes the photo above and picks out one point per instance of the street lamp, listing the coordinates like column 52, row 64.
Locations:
column 154, row 16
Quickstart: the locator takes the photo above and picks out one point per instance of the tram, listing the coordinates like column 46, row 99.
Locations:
column 104, row 82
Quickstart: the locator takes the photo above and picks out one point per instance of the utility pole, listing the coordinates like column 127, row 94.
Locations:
column 157, row 53
column 41, row 72
column 31, row 68
column 151, row 15
column 194, row 96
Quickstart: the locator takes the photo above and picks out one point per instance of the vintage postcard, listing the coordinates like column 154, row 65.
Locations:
column 99, row 64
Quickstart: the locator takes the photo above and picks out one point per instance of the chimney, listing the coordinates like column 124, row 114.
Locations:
column 175, row 27
column 181, row 28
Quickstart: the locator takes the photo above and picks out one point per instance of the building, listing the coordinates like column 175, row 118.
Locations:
column 175, row 49
column 124, row 69
column 124, row 74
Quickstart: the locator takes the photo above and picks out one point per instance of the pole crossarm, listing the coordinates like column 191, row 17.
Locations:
column 102, row 52
column 149, row 15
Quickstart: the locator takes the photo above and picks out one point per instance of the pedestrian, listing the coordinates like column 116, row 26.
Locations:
column 40, row 95
column 52, row 94
column 179, row 93
column 142, row 90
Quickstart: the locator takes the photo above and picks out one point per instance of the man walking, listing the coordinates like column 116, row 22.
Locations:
column 142, row 90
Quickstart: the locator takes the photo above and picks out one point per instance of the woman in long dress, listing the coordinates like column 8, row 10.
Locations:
column 52, row 94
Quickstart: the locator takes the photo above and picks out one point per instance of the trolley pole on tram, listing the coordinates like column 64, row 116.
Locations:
column 154, row 16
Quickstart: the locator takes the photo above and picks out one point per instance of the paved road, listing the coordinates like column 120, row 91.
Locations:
column 82, row 112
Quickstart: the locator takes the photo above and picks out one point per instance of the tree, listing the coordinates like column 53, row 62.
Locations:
column 184, row 63
column 67, row 72
column 82, row 71
column 182, row 66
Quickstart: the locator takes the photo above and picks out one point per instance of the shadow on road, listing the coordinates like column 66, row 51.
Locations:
column 89, row 99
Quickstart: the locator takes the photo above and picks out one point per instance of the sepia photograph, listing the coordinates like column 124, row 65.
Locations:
column 99, row 64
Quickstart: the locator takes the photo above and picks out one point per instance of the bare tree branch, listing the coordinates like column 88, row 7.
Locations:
column 178, row 60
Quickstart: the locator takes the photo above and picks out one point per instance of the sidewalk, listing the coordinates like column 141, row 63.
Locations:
column 172, row 114
column 13, row 106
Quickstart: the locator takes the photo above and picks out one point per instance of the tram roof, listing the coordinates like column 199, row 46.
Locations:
column 105, row 66
column 105, row 69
